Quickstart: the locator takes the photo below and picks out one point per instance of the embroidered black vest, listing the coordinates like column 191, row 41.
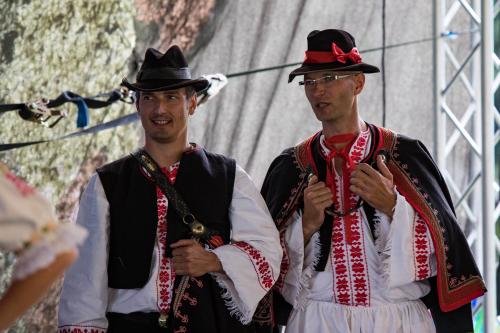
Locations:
column 205, row 181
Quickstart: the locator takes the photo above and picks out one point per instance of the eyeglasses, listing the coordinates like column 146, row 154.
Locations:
column 324, row 80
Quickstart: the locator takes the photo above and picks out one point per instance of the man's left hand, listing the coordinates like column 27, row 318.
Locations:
column 376, row 188
column 190, row 258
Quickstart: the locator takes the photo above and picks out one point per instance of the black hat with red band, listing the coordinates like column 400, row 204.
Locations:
column 331, row 49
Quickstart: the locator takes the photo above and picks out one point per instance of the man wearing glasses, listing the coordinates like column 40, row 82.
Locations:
column 369, row 232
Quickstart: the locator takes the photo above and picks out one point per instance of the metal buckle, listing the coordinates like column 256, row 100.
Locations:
column 127, row 96
column 188, row 219
column 40, row 113
column 149, row 164
column 162, row 319
column 197, row 228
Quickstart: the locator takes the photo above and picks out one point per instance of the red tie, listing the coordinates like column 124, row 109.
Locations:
column 347, row 168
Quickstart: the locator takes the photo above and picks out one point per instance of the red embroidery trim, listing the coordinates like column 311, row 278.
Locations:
column 421, row 249
column 342, row 282
column 192, row 301
column 309, row 152
column 262, row 267
column 449, row 298
column 215, row 241
column 81, row 329
column 166, row 274
column 21, row 186
column 285, row 263
column 351, row 284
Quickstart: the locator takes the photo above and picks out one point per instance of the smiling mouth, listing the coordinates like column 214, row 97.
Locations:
column 161, row 122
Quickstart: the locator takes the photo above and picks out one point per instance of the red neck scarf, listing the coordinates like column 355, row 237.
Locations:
column 347, row 168
column 343, row 153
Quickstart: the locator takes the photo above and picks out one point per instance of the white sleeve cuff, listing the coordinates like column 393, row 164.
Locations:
column 247, row 279
column 43, row 252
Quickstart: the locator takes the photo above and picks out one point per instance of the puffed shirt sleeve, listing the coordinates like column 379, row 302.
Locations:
column 251, row 262
column 29, row 227
column 84, row 296
column 301, row 259
column 406, row 249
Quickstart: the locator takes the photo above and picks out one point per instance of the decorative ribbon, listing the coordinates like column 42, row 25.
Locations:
column 82, row 119
column 336, row 55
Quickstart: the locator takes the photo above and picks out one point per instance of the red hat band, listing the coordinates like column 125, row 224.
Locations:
column 336, row 55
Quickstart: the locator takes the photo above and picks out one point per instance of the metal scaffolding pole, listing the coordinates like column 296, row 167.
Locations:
column 464, row 116
column 439, row 83
column 487, row 121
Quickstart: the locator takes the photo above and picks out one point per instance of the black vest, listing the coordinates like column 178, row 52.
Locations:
column 205, row 181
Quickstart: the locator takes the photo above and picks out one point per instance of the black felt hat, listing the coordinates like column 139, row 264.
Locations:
column 164, row 71
column 331, row 49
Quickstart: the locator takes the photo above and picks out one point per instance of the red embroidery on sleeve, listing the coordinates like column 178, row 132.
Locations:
column 262, row 267
column 21, row 186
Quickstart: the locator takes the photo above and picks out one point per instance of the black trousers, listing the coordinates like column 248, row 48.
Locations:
column 135, row 322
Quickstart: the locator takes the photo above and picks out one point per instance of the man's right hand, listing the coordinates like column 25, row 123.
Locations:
column 317, row 197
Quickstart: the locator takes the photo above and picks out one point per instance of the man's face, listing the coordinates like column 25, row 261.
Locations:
column 333, row 99
column 164, row 114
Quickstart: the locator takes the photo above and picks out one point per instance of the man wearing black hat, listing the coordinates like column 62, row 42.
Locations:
column 180, row 239
column 370, row 235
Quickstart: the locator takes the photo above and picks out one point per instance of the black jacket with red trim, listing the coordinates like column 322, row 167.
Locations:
column 418, row 179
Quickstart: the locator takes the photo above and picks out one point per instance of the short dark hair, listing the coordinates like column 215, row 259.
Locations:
column 190, row 91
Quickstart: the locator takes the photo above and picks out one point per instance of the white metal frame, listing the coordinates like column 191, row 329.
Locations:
column 474, row 125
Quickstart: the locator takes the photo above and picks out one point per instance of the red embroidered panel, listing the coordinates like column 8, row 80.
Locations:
column 166, row 274
column 421, row 249
column 285, row 263
column 262, row 267
column 351, row 282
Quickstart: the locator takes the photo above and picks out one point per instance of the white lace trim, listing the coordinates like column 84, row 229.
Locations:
column 237, row 309
column 381, row 232
column 42, row 253
column 316, row 250
column 309, row 270
column 382, row 235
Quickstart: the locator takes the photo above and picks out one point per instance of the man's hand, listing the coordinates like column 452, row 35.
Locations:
column 376, row 188
column 317, row 197
column 190, row 258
